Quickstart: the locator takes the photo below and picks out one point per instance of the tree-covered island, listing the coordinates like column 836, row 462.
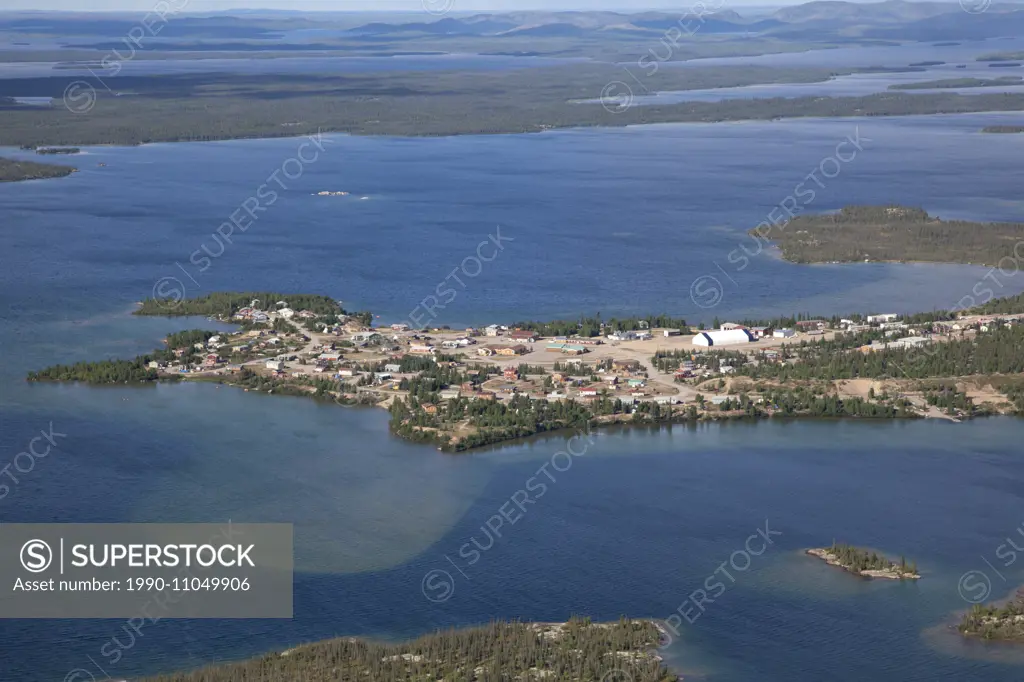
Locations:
column 865, row 563
column 1004, row 622
column 891, row 234
column 460, row 389
column 51, row 151
column 576, row 651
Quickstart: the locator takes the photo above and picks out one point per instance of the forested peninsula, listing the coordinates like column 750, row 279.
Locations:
column 893, row 234
column 576, row 651
column 1003, row 622
column 459, row 389
column 14, row 171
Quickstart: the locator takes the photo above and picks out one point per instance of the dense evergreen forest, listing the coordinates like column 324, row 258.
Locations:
column 102, row 372
column 808, row 402
column 13, row 171
column 225, row 304
column 1007, row 305
column 1000, row 351
column 894, row 233
column 197, row 107
column 578, row 651
column 589, row 326
column 126, row 371
column 990, row 621
column 493, row 421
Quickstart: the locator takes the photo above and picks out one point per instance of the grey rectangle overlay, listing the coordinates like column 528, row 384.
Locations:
column 146, row 570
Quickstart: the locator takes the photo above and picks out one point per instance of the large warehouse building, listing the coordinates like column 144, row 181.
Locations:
column 722, row 337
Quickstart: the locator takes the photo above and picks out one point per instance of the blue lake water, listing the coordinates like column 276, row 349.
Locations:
column 617, row 221
column 852, row 85
column 963, row 55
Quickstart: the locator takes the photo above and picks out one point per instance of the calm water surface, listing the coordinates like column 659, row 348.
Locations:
column 958, row 61
column 852, row 85
column 610, row 221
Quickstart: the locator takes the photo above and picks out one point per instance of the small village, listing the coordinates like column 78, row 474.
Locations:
column 665, row 366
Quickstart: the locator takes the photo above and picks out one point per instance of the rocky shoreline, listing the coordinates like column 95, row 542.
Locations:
column 894, row 572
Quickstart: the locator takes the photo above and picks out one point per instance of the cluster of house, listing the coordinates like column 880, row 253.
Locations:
column 421, row 345
column 892, row 327
column 631, row 335
column 905, row 342
column 981, row 323
column 251, row 314
column 254, row 314
column 509, row 351
column 212, row 349
column 623, row 375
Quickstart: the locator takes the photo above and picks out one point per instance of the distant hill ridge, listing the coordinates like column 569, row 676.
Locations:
column 892, row 19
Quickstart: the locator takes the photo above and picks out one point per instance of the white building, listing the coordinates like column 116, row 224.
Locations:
column 885, row 317
column 910, row 342
column 275, row 365
column 722, row 337
column 671, row 332
column 286, row 313
column 783, row 333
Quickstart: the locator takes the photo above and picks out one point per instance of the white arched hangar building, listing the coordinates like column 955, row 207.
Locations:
column 722, row 337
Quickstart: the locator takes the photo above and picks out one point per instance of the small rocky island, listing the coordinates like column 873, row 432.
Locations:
column 578, row 650
column 996, row 622
column 51, row 151
column 864, row 563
